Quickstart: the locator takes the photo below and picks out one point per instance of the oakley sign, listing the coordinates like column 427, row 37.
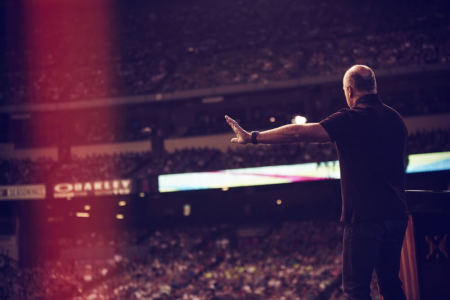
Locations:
column 96, row 188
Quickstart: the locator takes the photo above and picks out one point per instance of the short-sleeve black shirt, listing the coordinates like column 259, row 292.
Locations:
column 370, row 140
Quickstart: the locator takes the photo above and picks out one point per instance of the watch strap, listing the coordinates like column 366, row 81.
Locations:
column 254, row 135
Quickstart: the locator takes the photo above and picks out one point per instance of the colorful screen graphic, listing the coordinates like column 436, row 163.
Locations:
column 428, row 162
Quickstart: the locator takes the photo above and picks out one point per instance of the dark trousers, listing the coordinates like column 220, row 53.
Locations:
column 369, row 246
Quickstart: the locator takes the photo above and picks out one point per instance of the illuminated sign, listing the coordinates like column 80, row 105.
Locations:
column 224, row 179
column 96, row 188
column 428, row 162
column 22, row 192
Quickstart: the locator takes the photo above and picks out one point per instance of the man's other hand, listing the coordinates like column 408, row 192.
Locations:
column 242, row 136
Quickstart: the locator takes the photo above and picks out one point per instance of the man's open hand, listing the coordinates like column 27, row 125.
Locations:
column 242, row 136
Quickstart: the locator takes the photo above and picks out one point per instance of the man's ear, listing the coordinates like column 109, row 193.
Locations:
column 350, row 92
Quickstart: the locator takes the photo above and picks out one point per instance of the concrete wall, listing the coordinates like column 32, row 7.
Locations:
column 218, row 141
column 9, row 151
column 137, row 146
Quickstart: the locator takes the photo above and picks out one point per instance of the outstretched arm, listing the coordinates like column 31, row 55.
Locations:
column 292, row 133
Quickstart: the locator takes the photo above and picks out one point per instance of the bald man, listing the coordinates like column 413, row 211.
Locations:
column 370, row 138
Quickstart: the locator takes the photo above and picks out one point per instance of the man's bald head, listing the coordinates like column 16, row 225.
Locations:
column 361, row 78
column 358, row 81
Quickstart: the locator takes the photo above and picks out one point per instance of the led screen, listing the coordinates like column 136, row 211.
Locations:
column 427, row 162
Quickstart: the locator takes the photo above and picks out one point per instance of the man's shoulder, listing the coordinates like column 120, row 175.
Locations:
column 392, row 110
column 340, row 112
column 338, row 123
column 396, row 118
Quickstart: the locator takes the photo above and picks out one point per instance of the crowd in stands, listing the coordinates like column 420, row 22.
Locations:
column 293, row 260
column 141, row 165
column 205, row 121
column 47, row 170
column 282, row 265
column 176, row 46
column 419, row 103
column 7, row 275
column 61, row 277
column 179, row 46
column 423, row 142
column 317, row 58
column 98, row 166
column 249, row 156
column 207, row 159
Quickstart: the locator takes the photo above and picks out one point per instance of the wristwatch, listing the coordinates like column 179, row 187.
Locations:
column 254, row 134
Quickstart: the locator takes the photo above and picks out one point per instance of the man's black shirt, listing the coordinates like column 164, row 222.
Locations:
column 370, row 140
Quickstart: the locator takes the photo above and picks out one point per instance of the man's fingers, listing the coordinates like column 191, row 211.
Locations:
column 233, row 124
column 231, row 121
column 236, row 128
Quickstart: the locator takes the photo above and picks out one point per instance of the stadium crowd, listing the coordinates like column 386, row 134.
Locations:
column 419, row 103
column 292, row 260
column 178, row 46
column 175, row 46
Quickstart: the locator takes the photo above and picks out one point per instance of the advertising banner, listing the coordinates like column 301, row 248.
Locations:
column 22, row 192
column 92, row 188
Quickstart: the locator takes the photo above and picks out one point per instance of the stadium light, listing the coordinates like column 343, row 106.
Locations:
column 146, row 130
column 187, row 210
column 119, row 217
column 87, row 207
column 279, row 202
column 122, row 203
column 79, row 214
column 272, row 119
column 298, row 120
